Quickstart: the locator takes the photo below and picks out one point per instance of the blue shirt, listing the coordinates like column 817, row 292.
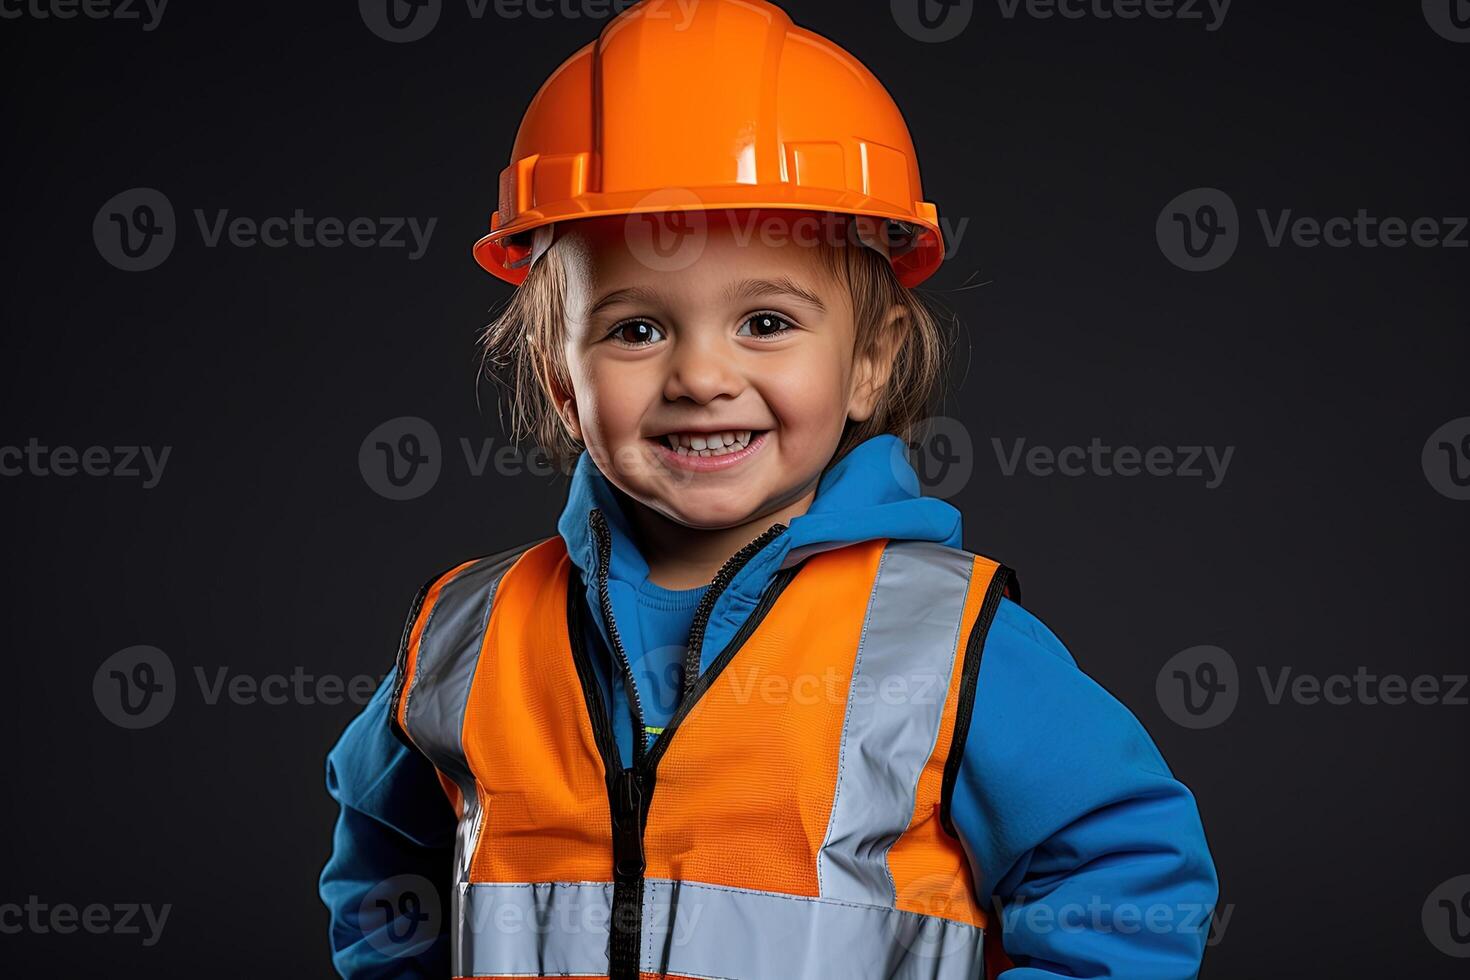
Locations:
column 664, row 620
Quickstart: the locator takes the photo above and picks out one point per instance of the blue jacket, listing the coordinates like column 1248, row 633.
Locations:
column 1073, row 824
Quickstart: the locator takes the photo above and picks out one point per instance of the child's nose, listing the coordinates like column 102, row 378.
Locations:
column 702, row 369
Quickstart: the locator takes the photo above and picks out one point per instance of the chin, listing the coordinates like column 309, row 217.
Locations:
column 711, row 518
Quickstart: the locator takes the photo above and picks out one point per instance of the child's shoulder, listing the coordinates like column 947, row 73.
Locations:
column 1028, row 632
column 490, row 565
column 468, row 582
column 1031, row 687
column 1015, row 625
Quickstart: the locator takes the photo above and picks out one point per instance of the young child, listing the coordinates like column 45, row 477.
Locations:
column 752, row 712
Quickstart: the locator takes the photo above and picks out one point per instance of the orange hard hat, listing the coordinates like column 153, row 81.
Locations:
column 703, row 105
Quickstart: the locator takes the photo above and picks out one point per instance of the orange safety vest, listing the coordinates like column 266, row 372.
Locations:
column 791, row 820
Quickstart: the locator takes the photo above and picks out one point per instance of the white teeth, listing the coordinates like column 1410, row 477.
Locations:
column 708, row 444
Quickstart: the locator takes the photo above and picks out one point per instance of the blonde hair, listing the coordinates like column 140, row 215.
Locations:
column 522, row 349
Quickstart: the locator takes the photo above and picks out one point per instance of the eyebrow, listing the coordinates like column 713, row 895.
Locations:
column 781, row 286
column 632, row 294
column 744, row 289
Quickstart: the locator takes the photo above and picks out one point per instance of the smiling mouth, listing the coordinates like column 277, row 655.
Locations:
column 709, row 444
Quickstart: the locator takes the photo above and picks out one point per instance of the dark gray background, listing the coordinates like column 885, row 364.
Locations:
column 263, row 548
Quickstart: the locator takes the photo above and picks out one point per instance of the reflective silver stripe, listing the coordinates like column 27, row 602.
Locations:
column 466, row 837
column 895, row 705
column 534, row 929
column 708, row 931
column 449, row 650
column 436, row 695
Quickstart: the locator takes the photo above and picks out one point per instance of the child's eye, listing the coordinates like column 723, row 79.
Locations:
column 767, row 325
column 636, row 333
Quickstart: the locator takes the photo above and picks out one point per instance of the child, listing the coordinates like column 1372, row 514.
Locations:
column 752, row 712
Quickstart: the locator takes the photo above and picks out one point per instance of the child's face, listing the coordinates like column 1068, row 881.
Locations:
column 754, row 335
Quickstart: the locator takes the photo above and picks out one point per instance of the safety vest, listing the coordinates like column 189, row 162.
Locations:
column 791, row 820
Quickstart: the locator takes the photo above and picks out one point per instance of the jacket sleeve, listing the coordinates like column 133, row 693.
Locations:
column 394, row 839
column 1088, row 852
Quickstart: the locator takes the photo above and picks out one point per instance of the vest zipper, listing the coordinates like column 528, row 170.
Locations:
column 707, row 604
column 598, row 523
column 630, row 790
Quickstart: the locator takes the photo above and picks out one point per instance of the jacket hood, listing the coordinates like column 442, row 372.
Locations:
column 872, row 492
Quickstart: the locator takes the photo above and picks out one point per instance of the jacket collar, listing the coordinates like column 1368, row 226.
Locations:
column 872, row 492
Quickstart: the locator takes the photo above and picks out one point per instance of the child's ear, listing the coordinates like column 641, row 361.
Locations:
column 562, row 399
column 873, row 367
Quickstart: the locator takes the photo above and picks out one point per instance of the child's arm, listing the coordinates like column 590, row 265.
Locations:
column 395, row 820
column 1073, row 822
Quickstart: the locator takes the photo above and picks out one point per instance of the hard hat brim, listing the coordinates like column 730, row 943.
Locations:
column 504, row 255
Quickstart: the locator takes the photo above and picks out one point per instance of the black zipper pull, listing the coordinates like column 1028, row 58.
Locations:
column 628, row 858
